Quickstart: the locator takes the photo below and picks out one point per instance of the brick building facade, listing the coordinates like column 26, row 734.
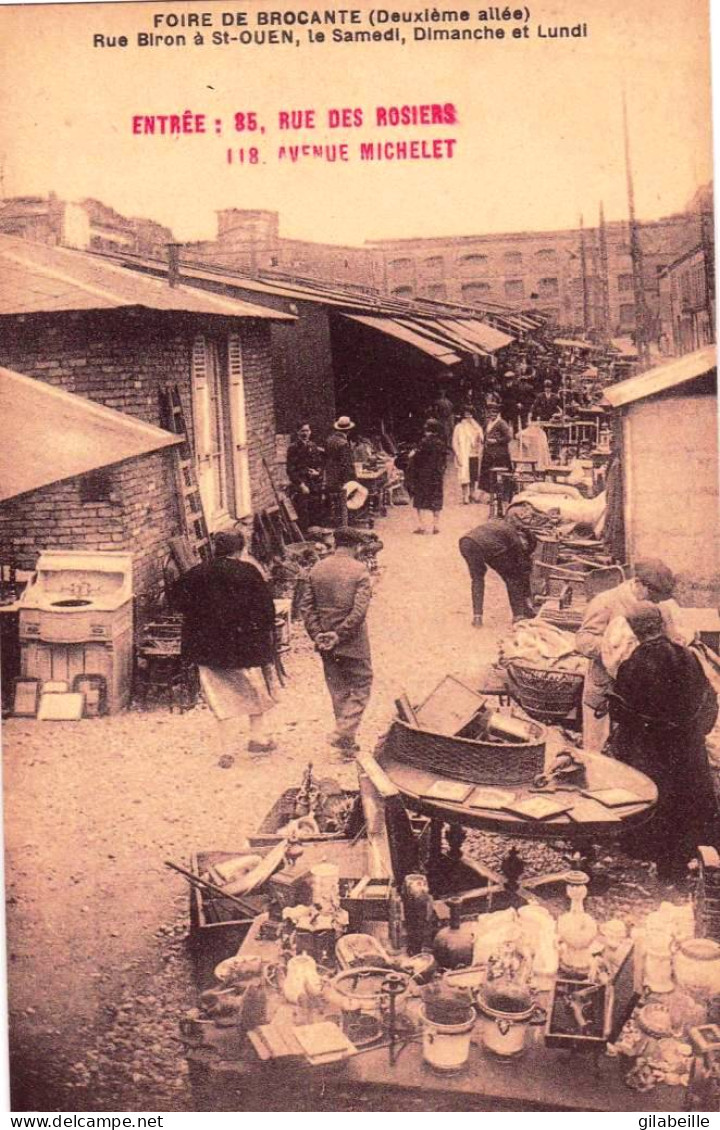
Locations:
column 152, row 337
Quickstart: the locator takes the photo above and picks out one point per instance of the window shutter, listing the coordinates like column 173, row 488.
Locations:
column 241, row 464
column 201, row 417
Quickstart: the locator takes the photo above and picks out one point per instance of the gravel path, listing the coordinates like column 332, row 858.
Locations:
column 97, row 967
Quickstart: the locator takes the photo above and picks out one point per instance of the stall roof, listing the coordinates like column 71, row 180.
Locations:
column 36, row 278
column 572, row 343
column 624, row 345
column 487, row 337
column 47, row 434
column 346, row 298
column 663, row 377
column 411, row 336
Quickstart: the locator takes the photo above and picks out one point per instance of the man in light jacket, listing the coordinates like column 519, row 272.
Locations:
column 654, row 582
column 334, row 608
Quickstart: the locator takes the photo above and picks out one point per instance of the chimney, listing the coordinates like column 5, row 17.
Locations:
column 173, row 263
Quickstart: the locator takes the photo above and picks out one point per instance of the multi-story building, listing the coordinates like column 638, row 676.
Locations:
column 249, row 241
column 543, row 271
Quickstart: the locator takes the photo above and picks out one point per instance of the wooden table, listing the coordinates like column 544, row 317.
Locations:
column 601, row 772
column 230, row 1077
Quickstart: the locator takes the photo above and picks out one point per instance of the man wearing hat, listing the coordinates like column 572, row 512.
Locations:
column 653, row 581
column 334, row 607
column 339, row 469
column 546, row 405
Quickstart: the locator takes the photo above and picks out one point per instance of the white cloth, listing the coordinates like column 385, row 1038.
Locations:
column 618, row 644
column 231, row 691
column 532, row 444
column 467, row 444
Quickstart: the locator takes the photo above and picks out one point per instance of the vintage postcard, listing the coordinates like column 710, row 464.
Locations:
column 358, row 465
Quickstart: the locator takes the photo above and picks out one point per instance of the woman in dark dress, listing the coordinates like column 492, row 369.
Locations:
column 664, row 706
column 425, row 474
column 496, row 452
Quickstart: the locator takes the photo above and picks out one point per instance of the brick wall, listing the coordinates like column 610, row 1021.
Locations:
column 139, row 516
column 122, row 359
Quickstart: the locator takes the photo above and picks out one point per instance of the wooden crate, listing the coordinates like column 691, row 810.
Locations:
column 211, row 941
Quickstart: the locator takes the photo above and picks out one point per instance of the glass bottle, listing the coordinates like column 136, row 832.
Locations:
column 453, row 946
column 577, row 929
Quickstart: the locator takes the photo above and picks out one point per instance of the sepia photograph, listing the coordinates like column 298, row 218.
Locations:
column 359, row 558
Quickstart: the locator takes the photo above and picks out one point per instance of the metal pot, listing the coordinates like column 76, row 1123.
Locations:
column 506, row 1011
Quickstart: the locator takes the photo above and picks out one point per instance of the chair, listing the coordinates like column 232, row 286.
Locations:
column 570, row 591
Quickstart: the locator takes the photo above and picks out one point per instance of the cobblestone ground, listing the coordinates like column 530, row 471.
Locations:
column 98, row 972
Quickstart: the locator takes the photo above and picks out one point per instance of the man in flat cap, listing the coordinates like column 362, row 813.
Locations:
column 652, row 581
column 334, row 607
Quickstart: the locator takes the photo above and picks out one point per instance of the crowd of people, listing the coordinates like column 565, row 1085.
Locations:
column 647, row 699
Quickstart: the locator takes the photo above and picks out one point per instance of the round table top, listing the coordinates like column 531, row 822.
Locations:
column 585, row 817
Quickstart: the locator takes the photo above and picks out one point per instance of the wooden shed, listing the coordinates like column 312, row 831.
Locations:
column 669, row 437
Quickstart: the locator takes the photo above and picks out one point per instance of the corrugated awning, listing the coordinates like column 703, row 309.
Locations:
column 47, row 435
column 440, row 352
column 663, row 377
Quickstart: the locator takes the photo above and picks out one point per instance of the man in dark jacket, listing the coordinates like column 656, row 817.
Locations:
column 339, row 469
column 505, row 545
column 664, row 705
column 333, row 608
column 304, row 470
column 546, row 405
column 228, row 631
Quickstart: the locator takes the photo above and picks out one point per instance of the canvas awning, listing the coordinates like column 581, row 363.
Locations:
column 47, row 435
column 402, row 332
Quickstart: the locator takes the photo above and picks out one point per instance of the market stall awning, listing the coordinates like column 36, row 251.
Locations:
column 47, row 435
column 663, row 377
column 441, row 353
column 625, row 346
column 572, row 343
column 39, row 279
column 487, row 337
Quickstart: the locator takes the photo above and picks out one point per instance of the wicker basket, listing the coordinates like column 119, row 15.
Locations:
column 466, row 759
column 548, row 694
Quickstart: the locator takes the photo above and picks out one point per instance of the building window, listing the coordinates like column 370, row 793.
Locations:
column 627, row 315
column 402, row 291
column 95, row 486
column 401, row 264
column 472, row 291
column 515, row 288
column 436, row 290
column 470, row 263
column 546, row 255
column 210, row 442
column 548, row 288
column 625, row 284
column 514, row 257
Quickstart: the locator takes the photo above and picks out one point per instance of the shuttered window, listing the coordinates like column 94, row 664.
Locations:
column 241, row 466
column 210, row 453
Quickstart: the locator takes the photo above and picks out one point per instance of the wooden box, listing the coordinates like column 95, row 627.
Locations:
column 217, row 927
column 283, row 811
column 583, row 1015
